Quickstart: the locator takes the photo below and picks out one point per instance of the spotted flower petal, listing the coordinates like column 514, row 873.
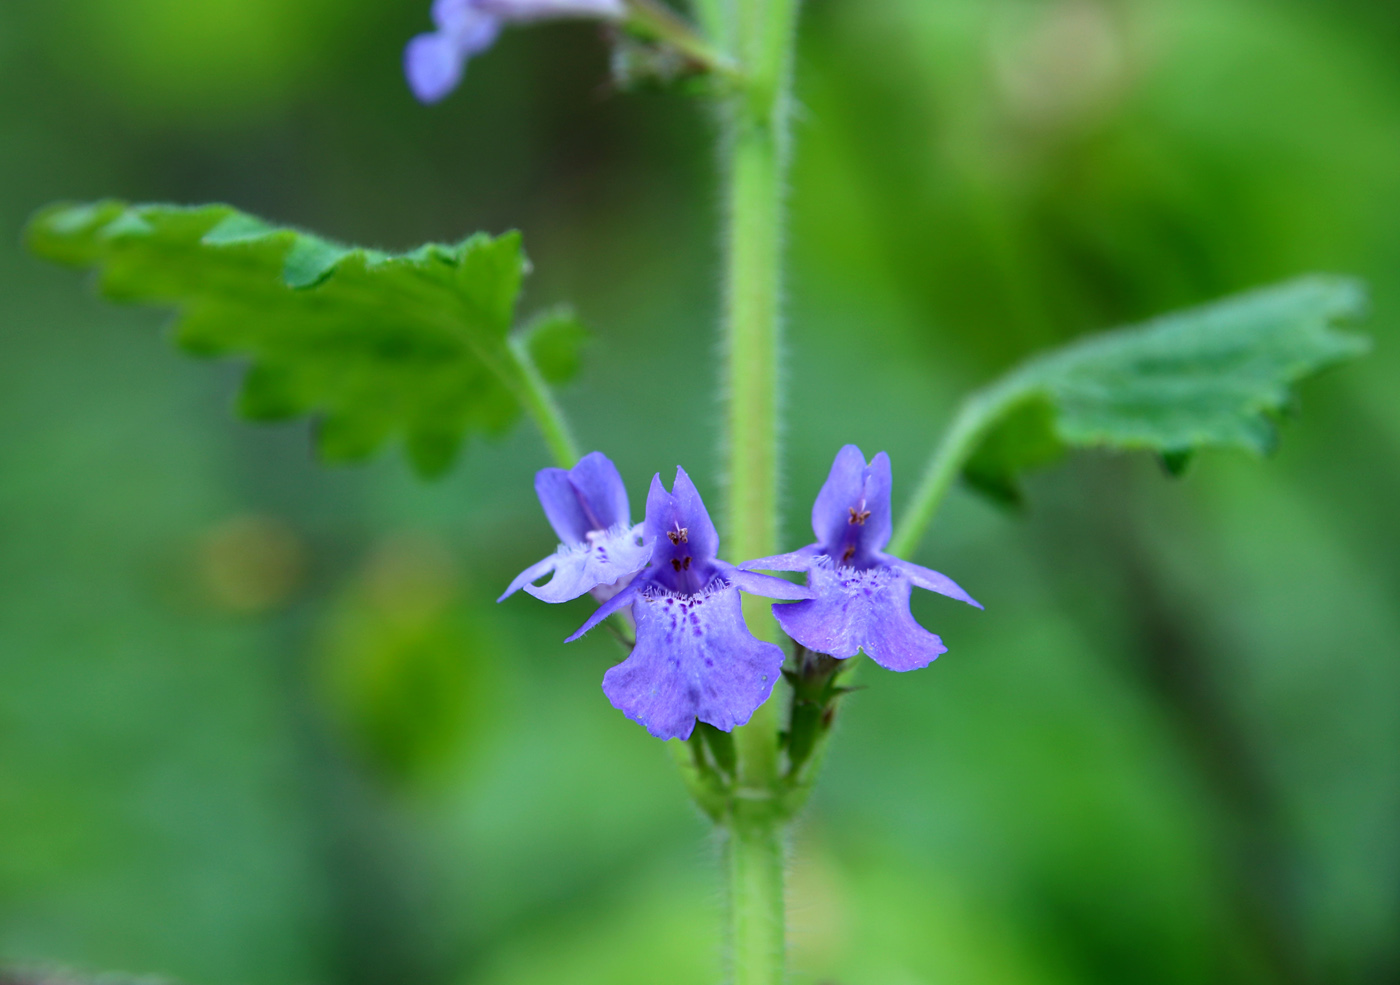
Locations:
column 607, row 558
column 694, row 659
column 861, row 609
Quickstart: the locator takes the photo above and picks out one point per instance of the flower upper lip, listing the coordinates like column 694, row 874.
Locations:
column 598, row 545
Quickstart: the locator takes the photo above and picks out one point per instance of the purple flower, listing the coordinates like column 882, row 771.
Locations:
column 694, row 657
column 434, row 62
column 862, row 594
column 587, row 507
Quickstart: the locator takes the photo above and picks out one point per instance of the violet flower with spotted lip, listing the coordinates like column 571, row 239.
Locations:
column 587, row 507
column 862, row 594
column 434, row 62
column 694, row 656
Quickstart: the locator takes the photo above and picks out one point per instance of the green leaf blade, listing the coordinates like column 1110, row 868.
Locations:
column 1213, row 377
column 555, row 341
column 378, row 347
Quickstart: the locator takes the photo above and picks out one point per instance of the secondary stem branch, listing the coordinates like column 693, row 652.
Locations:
column 755, row 858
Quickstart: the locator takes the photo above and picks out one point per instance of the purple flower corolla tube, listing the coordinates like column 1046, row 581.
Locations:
column 694, row 657
column 862, row 594
column 434, row 62
column 598, row 551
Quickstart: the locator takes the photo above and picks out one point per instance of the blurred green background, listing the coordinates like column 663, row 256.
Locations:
column 262, row 723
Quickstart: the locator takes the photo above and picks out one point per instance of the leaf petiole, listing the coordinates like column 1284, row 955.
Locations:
column 976, row 417
column 538, row 401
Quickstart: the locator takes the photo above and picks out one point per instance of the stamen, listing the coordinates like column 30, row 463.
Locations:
column 681, row 535
column 850, row 553
column 859, row 518
column 681, row 564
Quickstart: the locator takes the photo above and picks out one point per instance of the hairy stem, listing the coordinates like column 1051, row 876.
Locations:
column 543, row 408
column 754, row 859
column 752, row 323
column 755, row 147
column 756, row 119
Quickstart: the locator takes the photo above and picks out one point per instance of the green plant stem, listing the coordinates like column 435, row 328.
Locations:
column 756, row 120
column 756, row 151
column 540, row 404
column 754, row 857
column 977, row 415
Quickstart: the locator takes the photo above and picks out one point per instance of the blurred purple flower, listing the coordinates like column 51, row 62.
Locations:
column 694, row 657
column 862, row 594
column 587, row 507
column 434, row 62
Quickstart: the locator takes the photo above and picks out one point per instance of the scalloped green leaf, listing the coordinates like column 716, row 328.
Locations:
column 1215, row 376
column 376, row 347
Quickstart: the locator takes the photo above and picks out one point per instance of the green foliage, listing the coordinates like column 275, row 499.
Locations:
column 405, row 667
column 376, row 345
column 1216, row 376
